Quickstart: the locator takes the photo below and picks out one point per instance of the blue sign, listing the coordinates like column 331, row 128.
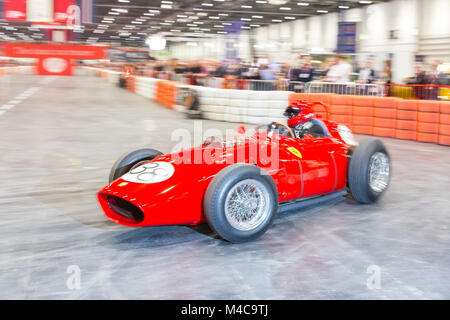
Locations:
column 232, row 42
column 346, row 37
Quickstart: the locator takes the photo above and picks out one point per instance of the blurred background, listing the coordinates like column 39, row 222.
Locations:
column 402, row 42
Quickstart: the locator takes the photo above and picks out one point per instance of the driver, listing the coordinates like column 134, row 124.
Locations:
column 303, row 121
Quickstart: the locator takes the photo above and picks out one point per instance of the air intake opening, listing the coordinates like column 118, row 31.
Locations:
column 124, row 208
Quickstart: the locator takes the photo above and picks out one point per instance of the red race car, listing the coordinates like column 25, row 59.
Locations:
column 238, row 186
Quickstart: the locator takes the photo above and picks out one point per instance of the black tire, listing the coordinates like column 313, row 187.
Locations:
column 359, row 170
column 126, row 162
column 216, row 194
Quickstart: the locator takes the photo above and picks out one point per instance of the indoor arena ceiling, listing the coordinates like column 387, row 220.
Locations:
column 130, row 22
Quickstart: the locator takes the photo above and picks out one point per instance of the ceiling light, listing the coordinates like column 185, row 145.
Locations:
column 207, row 4
column 246, row 7
column 344, row 7
column 289, row 18
column 303, row 4
column 322, row 11
column 119, row 10
column 365, row 2
column 276, row 20
column 257, row 17
column 285, row 8
column 156, row 43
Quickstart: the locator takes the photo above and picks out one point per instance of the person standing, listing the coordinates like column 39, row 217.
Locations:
column 305, row 73
column 340, row 71
column 367, row 74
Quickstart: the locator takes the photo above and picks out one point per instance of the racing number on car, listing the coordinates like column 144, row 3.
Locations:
column 152, row 172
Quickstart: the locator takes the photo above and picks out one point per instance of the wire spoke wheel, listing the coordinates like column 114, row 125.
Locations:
column 247, row 205
column 379, row 172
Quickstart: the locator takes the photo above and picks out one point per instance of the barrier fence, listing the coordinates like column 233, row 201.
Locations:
column 16, row 70
column 418, row 91
column 347, row 88
column 425, row 92
column 420, row 120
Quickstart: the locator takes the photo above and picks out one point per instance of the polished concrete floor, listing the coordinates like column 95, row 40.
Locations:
column 59, row 138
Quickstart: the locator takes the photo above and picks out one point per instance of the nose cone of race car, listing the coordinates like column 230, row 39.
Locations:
column 157, row 193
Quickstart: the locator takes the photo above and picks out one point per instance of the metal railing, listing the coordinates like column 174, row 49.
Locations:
column 427, row 92
column 347, row 88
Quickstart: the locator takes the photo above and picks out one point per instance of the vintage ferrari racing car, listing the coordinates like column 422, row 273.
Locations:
column 238, row 192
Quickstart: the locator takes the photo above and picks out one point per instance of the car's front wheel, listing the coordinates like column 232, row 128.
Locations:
column 129, row 160
column 241, row 202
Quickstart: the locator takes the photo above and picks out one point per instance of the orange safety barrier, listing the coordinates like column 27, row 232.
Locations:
column 131, row 83
column 420, row 120
column 166, row 92
column 231, row 83
column 444, row 118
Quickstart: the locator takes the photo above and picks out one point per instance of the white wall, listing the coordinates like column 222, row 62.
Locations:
column 422, row 26
column 434, row 27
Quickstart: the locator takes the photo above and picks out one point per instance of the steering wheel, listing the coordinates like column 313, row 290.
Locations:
column 291, row 133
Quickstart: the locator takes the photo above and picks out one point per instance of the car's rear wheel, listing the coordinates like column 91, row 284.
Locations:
column 130, row 160
column 240, row 203
column 369, row 171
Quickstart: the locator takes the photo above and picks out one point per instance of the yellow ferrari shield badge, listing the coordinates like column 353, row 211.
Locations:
column 295, row 152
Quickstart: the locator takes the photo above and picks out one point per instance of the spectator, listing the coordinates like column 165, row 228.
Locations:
column 436, row 79
column 339, row 71
column 265, row 73
column 367, row 74
column 305, row 72
column 418, row 81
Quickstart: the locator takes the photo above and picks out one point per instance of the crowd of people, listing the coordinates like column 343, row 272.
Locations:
column 333, row 69
column 264, row 74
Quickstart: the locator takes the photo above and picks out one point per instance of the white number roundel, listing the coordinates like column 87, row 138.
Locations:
column 151, row 172
column 55, row 65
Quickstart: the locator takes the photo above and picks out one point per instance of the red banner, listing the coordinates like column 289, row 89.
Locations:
column 25, row 50
column 15, row 10
column 60, row 10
